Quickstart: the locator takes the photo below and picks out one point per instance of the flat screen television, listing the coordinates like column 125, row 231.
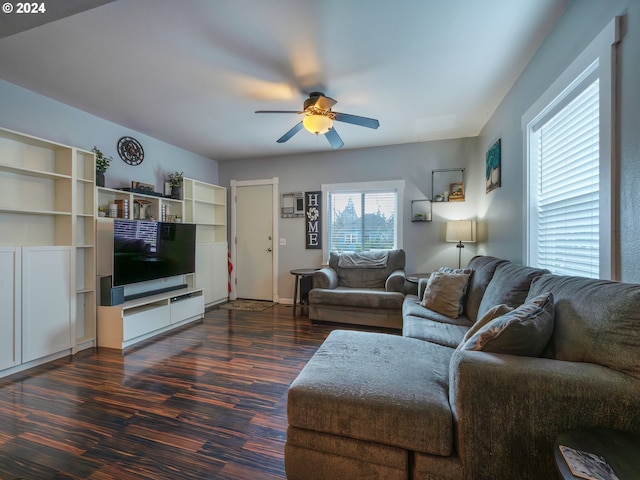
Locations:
column 144, row 251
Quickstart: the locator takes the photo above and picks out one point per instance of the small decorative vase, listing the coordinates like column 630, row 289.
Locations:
column 175, row 193
column 99, row 178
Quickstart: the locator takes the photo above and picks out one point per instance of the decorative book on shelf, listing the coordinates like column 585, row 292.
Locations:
column 587, row 465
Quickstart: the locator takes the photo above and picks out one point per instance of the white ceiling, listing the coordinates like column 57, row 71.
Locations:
column 192, row 72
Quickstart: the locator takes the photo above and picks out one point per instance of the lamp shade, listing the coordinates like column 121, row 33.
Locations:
column 461, row 231
column 317, row 123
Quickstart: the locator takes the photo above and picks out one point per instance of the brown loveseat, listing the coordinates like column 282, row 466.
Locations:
column 428, row 405
column 365, row 288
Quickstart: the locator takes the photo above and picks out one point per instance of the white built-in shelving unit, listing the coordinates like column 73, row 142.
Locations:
column 50, row 239
column 206, row 206
column 47, row 250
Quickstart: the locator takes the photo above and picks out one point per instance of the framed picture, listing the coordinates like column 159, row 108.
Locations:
column 456, row 192
column 142, row 187
column 493, row 173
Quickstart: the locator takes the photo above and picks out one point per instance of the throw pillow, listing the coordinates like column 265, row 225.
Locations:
column 523, row 331
column 469, row 271
column 444, row 293
column 495, row 312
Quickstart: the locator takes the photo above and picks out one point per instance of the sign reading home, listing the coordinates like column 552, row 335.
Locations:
column 312, row 219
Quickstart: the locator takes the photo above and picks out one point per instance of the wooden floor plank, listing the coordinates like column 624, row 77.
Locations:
column 205, row 402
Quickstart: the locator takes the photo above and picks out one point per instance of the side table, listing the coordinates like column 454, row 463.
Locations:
column 620, row 449
column 300, row 273
column 414, row 278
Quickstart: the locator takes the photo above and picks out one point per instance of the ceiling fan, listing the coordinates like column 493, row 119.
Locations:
column 319, row 118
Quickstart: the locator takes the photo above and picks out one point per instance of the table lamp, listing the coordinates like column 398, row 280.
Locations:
column 461, row 231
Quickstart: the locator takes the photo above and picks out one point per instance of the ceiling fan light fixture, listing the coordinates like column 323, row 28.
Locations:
column 317, row 124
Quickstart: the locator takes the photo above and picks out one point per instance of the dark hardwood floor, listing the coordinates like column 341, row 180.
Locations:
column 206, row 402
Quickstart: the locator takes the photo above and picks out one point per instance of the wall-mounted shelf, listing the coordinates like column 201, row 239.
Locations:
column 421, row 210
column 447, row 185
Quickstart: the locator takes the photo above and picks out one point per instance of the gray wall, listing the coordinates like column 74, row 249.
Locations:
column 502, row 209
column 423, row 242
column 27, row 112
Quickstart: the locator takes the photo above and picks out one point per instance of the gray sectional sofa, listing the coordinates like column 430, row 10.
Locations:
column 440, row 402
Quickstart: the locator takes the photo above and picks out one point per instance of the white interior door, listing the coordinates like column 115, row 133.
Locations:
column 254, row 242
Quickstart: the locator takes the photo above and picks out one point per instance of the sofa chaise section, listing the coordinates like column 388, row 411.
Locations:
column 373, row 398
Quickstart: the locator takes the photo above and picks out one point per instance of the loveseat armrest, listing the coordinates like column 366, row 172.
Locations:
column 509, row 410
column 395, row 282
column 326, row 277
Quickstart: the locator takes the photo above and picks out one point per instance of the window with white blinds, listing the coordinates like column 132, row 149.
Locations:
column 363, row 216
column 568, row 183
column 571, row 147
column 361, row 221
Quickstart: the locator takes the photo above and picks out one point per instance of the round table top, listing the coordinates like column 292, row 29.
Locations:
column 303, row 271
column 415, row 277
column 620, row 449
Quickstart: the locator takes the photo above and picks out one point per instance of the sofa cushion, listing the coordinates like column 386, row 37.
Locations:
column 483, row 269
column 367, row 277
column 444, row 293
column 376, row 387
column 523, row 331
column 492, row 313
column 411, row 307
column 509, row 285
column 356, row 297
column 596, row 321
column 441, row 333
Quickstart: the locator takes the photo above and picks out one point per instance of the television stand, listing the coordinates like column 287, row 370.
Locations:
column 136, row 320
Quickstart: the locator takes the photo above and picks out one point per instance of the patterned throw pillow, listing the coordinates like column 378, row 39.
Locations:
column 523, row 331
column 444, row 293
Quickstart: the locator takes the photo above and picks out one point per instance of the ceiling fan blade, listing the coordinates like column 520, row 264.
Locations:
column 334, row 138
column 277, row 111
column 290, row 133
column 356, row 120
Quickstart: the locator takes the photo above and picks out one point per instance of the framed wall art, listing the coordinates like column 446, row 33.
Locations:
column 493, row 172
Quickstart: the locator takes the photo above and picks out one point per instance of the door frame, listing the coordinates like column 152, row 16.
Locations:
column 274, row 232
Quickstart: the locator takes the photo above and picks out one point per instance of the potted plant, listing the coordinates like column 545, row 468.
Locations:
column 175, row 182
column 102, row 165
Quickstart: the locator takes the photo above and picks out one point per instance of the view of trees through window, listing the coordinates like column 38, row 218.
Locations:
column 361, row 221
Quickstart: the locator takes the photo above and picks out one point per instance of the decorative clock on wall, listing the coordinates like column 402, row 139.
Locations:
column 130, row 150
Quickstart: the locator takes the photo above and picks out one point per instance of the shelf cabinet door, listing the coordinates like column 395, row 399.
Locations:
column 220, row 288
column 9, row 307
column 47, row 296
column 212, row 271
